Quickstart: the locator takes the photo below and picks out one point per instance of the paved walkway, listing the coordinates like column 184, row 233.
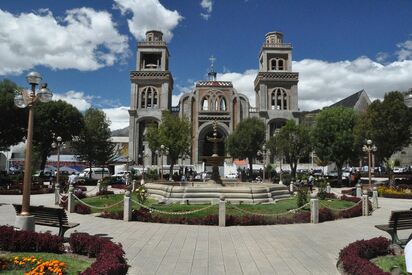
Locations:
column 187, row 249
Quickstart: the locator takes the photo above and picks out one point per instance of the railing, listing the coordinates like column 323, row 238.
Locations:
column 151, row 43
column 277, row 45
column 253, row 110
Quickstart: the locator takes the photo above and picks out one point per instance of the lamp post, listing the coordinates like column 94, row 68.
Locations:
column 263, row 153
column 163, row 151
column 23, row 99
column 57, row 144
column 369, row 147
column 142, row 156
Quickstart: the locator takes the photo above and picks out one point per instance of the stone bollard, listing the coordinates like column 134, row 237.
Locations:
column 314, row 209
column 365, row 207
column 328, row 188
column 134, row 183
column 375, row 204
column 222, row 211
column 127, row 207
column 358, row 190
column 99, row 186
column 291, row 188
column 70, row 199
column 57, row 194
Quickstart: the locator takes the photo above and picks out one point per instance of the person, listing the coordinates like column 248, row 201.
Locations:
column 408, row 256
column 310, row 182
column 72, row 178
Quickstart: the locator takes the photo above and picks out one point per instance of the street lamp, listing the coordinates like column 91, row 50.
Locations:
column 143, row 156
column 163, row 151
column 369, row 147
column 58, row 144
column 263, row 153
column 23, row 99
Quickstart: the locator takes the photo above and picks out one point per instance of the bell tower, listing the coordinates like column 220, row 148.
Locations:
column 276, row 84
column 151, row 93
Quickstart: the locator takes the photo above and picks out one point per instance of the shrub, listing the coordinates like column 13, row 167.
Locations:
column 112, row 215
column 13, row 240
column 109, row 256
column 79, row 193
column 302, row 198
column 141, row 193
column 104, row 193
column 355, row 257
column 322, row 189
column 82, row 209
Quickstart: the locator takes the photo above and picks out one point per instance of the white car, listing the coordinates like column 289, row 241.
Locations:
column 399, row 170
column 232, row 176
column 121, row 174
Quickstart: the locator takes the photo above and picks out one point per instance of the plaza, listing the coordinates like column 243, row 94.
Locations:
column 153, row 248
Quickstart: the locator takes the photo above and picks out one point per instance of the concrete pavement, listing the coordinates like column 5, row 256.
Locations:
column 187, row 249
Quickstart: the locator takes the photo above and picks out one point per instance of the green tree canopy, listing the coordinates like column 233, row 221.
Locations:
column 333, row 136
column 388, row 124
column 93, row 144
column 13, row 121
column 174, row 133
column 54, row 118
column 247, row 140
column 292, row 142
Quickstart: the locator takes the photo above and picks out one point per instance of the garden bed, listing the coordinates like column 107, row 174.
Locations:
column 363, row 257
column 109, row 256
column 239, row 214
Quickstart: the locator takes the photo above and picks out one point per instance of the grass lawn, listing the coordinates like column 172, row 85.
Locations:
column 386, row 263
column 272, row 208
column 75, row 263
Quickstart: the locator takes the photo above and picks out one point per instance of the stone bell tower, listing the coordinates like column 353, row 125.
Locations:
column 151, row 93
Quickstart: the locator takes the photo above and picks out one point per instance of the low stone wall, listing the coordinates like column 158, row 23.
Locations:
column 252, row 193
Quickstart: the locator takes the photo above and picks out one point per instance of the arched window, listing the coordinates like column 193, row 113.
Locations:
column 222, row 104
column 204, row 103
column 277, row 64
column 143, row 100
column 279, row 99
column 149, row 97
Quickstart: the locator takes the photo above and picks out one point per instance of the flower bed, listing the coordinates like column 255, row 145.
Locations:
column 401, row 192
column 109, row 256
column 354, row 258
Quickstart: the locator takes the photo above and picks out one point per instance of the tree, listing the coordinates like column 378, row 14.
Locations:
column 333, row 136
column 247, row 140
column 292, row 142
column 388, row 124
column 174, row 133
column 93, row 144
column 13, row 121
column 53, row 119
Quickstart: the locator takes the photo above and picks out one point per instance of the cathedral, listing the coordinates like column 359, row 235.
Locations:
column 210, row 100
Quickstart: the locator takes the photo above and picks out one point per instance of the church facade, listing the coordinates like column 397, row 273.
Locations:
column 210, row 100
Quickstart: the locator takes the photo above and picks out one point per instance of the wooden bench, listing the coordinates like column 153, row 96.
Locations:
column 49, row 216
column 399, row 220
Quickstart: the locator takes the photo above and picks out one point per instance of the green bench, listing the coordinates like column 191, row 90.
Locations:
column 399, row 220
column 49, row 216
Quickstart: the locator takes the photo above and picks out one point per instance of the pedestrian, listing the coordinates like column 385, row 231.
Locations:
column 310, row 182
column 72, row 178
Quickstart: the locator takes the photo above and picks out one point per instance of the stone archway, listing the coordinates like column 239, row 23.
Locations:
column 205, row 147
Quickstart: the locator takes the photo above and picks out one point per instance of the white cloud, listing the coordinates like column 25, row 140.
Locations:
column 405, row 51
column 322, row 83
column 149, row 15
column 77, row 99
column 85, row 39
column 118, row 116
column 207, row 5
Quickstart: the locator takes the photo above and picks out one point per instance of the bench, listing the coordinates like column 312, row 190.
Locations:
column 49, row 216
column 399, row 220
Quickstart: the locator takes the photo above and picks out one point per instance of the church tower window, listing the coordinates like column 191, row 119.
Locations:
column 222, row 104
column 149, row 98
column 205, row 103
column 277, row 64
column 279, row 99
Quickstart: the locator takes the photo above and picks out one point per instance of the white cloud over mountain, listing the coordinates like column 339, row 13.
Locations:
column 85, row 39
column 149, row 15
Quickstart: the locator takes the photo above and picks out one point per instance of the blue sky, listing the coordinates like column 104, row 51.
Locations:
column 85, row 49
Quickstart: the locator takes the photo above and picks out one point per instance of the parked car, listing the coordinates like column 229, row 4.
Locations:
column 400, row 170
column 96, row 173
column 232, row 176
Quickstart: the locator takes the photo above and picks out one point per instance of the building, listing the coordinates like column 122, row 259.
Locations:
column 210, row 100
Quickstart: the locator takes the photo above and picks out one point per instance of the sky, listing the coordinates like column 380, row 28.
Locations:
column 85, row 50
